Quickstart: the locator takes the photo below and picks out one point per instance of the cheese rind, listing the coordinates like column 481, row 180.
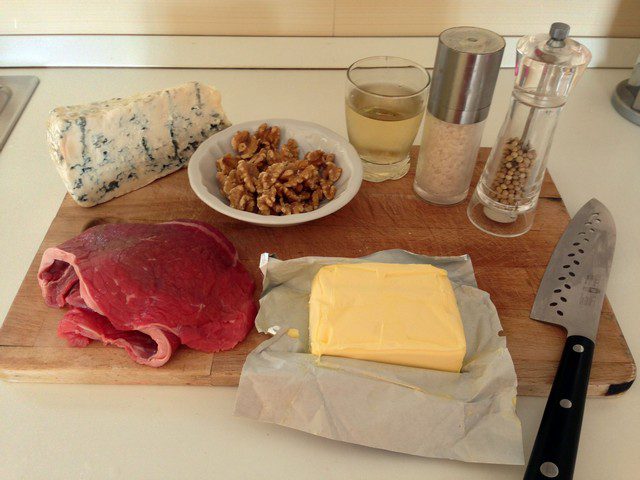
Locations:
column 390, row 313
column 106, row 149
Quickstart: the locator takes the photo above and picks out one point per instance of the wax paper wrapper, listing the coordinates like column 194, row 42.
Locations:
column 468, row 416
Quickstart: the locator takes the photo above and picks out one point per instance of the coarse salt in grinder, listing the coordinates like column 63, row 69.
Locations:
column 464, row 77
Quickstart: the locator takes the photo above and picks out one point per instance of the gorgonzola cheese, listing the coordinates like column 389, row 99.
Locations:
column 106, row 149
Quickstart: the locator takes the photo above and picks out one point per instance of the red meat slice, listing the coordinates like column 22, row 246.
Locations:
column 149, row 288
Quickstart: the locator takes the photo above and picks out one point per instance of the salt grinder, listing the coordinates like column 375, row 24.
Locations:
column 464, row 78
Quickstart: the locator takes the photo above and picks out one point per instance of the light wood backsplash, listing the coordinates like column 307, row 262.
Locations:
column 598, row 18
column 612, row 18
column 168, row 17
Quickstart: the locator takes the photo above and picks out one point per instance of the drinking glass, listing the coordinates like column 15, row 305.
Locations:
column 384, row 104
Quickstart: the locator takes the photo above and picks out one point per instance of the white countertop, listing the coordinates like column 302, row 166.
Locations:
column 94, row 432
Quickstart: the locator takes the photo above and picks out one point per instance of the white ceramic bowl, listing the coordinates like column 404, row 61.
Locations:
column 310, row 136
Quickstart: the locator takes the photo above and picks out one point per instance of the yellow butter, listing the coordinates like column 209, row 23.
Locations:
column 390, row 313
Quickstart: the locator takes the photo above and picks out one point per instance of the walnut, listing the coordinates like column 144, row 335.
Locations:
column 316, row 198
column 293, row 170
column 290, row 149
column 309, row 173
column 241, row 199
column 247, row 174
column 287, row 174
column 297, row 207
column 314, row 157
column 311, row 177
column 292, row 195
column 331, row 172
column 274, row 157
column 271, row 179
column 282, row 207
column 289, row 208
column 259, row 160
column 263, row 183
column 221, row 177
column 266, row 201
column 300, row 179
column 263, row 207
column 318, row 157
column 328, row 189
column 230, row 182
column 271, row 175
column 244, row 143
column 268, row 136
column 226, row 163
column 299, row 164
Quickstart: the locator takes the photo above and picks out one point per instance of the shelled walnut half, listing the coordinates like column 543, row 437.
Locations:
column 261, row 176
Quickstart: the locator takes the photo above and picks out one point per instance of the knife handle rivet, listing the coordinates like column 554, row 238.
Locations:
column 566, row 403
column 578, row 348
column 549, row 470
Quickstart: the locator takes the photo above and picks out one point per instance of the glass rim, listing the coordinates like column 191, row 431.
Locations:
column 410, row 63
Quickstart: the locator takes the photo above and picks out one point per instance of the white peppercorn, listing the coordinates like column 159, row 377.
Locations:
column 509, row 183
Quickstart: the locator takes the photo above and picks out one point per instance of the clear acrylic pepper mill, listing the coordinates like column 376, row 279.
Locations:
column 547, row 67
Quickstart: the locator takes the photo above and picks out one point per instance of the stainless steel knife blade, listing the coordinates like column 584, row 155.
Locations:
column 573, row 286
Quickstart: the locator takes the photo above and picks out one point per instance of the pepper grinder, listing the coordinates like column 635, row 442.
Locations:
column 548, row 66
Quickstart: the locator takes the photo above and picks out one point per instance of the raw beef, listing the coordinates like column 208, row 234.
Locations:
column 149, row 288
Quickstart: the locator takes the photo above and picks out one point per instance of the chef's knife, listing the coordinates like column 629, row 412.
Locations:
column 570, row 295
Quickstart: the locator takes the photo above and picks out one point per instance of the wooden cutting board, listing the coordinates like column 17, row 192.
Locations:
column 382, row 216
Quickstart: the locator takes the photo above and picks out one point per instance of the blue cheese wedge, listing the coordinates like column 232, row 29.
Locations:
column 106, row 149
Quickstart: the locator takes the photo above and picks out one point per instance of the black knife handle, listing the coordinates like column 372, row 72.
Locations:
column 556, row 446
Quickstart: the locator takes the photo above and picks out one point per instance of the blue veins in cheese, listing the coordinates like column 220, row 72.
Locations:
column 106, row 149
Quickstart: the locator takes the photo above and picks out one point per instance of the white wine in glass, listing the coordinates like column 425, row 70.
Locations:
column 385, row 103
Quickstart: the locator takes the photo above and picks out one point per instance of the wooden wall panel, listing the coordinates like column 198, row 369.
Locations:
column 616, row 18
column 606, row 18
column 167, row 17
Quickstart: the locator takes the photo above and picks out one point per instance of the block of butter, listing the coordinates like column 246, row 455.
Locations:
column 390, row 313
